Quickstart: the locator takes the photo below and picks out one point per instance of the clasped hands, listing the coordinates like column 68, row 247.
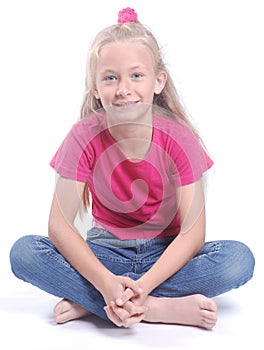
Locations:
column 124, row 301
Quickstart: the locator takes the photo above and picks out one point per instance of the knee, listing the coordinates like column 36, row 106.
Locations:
column 20, row 254
column 241, row 262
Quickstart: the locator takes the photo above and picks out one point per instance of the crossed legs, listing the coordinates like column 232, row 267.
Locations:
column 195, row 310
column 185, row 298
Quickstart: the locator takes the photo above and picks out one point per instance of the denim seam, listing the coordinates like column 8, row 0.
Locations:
column 48, row 252
column 125, row 261
column 217, row 248
column 104, row 257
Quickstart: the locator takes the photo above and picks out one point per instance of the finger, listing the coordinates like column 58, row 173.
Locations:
column 133, row 320
column 120, row 312
column 121, row 318
column 134, row 309
column 129, row 311
column 112, row 316
column 129, row 283
column 127, row 294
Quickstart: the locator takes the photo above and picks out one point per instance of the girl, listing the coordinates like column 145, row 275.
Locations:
column 137, row 155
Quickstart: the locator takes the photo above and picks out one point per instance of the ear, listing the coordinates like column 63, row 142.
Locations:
column 96, row 93
column 160, row 82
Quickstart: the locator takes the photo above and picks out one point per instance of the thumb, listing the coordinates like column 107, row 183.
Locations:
column 126, row 295
column 134, row 286
column 132, row 290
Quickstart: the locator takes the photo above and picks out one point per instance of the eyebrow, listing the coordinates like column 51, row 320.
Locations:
column 137, row 67
column 107, row 71
column 112, row 71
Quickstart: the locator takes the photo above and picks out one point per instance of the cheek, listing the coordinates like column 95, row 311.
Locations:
column 149, row 92
column 106, row 96
column 102, row 92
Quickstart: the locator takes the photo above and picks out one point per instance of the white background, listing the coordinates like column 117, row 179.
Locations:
column 214, row 50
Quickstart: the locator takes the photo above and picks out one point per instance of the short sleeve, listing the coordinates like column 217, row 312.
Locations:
column 190, row 158
column 72, row 159
column 192, row 162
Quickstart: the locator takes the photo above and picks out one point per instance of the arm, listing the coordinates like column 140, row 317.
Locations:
column 184, row 247
column 62, row 233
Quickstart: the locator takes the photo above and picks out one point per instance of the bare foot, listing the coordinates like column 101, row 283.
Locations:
column 193, row 310
column 67, row 310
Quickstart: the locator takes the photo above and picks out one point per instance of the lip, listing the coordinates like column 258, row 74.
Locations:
column 125, row 104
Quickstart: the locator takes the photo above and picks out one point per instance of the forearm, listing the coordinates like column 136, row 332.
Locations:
column 68, row 241
column 181, row 250
column 76, row 251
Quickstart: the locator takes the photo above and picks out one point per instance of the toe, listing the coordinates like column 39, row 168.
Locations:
column 61, row 307
column 208, row 304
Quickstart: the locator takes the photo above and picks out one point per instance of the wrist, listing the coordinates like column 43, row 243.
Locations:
column 146, row 284
column 102, row 280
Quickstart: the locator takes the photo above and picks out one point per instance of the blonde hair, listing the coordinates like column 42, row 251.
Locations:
column 168, row 100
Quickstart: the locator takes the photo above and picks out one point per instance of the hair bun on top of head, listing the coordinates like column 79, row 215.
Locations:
column 127, row 15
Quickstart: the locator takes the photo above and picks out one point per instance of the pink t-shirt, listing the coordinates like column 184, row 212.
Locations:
column 133, row 199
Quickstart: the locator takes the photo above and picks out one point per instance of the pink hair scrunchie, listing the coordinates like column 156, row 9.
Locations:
column 127, row 15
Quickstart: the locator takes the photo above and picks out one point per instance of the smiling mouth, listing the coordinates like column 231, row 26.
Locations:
column 125, row 104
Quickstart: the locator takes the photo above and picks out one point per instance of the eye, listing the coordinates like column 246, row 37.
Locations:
column 137, row 76
column 110, row 78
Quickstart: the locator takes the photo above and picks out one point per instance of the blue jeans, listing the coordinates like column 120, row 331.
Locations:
column 219, row 267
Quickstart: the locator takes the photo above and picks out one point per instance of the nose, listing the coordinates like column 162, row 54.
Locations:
column 123, row 88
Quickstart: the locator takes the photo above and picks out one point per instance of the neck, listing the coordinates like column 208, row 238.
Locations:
column 132, row 124
column 131, row 132
column 134, row 138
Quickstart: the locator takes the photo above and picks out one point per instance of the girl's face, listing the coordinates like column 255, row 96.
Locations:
column 125, row 76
